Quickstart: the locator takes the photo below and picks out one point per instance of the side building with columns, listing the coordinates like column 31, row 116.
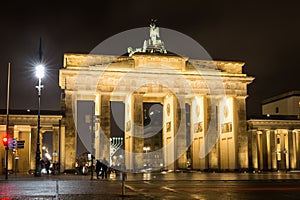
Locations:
column 23, row 127
column 274, row 137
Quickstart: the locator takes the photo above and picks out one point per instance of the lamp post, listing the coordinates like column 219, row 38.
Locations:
column 39, row 74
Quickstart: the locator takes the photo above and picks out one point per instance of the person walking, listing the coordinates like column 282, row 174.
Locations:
column 98, row 168
column 104, row 168
column 47, row 166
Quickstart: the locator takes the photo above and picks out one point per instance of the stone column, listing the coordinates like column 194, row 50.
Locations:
column 241, row 133
column 264, row 149
column 97, row 125
column 254, row 150
column 97, row 136
column 104, row 150
column 70, row 132
column 278, row 141
column 292, row 149
column 297, row 138
column 273, row 150
column 169, row 132
column 286, row 150
column 62, row 150
column 33, row 148
column 138, row 131
column 93, row 130
column 213, row 138
column 281, row 146
column 269, row 156
column 128, row 133
column 250, row 132
column 55, row 143
column 180, row 133
column 260, row 150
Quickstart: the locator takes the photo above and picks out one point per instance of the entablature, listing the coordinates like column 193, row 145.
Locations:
column 31, row 120
column 261, row 124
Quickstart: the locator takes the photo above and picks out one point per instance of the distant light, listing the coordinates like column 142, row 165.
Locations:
column 146, row 148
column 28, row 110
column 151, row 113
column 268, row 115
column 5, row 139
column 39, row 71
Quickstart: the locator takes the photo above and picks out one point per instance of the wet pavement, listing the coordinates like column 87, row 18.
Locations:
column 179, row 185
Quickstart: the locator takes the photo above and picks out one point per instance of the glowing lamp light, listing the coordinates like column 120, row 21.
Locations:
column 5, row 141
column 146, row 148
column 40, row 71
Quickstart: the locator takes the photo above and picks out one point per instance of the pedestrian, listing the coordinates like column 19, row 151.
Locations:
column 42, row 163
column 98, row 168
column 104, row 169
column 47, row 166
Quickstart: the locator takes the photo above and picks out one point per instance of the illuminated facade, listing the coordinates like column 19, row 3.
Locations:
column 23, row 126
column 274, row 138
column 89, row 78
column 202, row 108
column 174, row 113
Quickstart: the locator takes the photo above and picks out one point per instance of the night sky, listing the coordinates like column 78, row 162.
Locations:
column 263, row 34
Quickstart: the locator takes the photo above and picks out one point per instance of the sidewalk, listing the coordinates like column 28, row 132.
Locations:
column 169, row 176
column 172, row 185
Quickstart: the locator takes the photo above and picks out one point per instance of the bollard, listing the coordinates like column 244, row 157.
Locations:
column 123, row 183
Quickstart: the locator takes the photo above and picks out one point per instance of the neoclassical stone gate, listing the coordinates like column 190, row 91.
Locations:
column 172, row 81
column 212, row 136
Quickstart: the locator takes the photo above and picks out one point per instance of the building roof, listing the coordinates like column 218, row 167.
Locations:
column 281, row 96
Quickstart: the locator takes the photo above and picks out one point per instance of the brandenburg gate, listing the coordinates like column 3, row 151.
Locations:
column 203, row 106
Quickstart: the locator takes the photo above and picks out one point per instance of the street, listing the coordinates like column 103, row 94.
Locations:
column 217, row 189
column 155, row 186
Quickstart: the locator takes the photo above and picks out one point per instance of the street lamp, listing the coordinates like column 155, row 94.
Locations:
column 146, row 149
column 39, row 72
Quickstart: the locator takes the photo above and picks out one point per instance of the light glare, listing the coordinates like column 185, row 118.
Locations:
column 39, row 71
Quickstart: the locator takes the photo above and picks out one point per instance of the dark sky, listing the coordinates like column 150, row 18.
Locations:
column 263, row 34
